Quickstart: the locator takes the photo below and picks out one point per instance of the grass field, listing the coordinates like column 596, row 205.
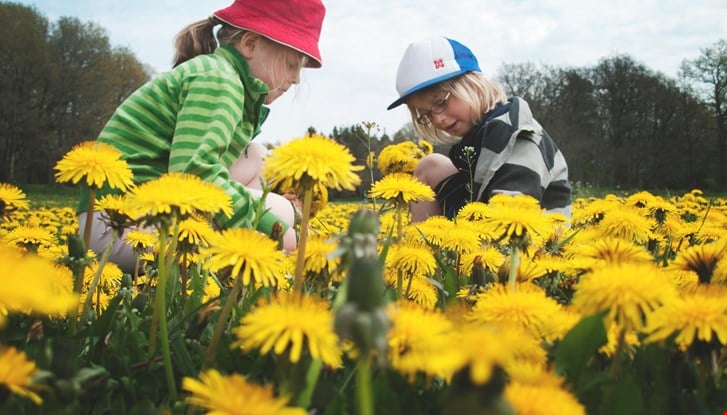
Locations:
column 55, row 195
column 58, row 195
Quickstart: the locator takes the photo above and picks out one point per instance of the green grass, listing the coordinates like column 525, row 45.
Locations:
column 55, row 195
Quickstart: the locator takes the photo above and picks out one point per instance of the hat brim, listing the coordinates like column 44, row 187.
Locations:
column 402, row 99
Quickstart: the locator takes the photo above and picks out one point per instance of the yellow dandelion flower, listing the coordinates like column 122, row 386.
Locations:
column 719, row 275
column 614, row 250
column 16, row 373
column 628, row 291
column 110, row 276
column 310, row 160
column 12, row 199
column 33, row 284
column 253, row 256
column 401, row 188
column 30, row 237
column 682, row 279
column 627, row 223
column 701, row 259
column 393, row 159
column 514, row 219
column 630, row 340
column 318, row 258
column 179, row 193
column 420, row 290
column 463, row 238
column 481, row 348
column 542, row 399
column 290, row 322
column 97, row 164
column 234, row 395
column 528, row 269
column 697, row 315
column 435, row 229
column 640, row 199
column 490, row 257
column 114, row 210
column 411, row 259
column 473, row 212
column 421, row 341
column 194, row 232
column 141, row 240
column 593, row 212
column 526, row 307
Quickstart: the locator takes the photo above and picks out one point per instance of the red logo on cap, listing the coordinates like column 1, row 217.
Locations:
column 439, row 63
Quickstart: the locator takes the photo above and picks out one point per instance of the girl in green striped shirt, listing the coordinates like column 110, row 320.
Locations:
column 201, row 116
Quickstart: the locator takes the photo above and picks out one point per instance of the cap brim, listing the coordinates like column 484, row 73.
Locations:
column 402, row 99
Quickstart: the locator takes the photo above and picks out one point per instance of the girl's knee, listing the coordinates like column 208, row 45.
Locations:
column 247, row 169
column 281, row 207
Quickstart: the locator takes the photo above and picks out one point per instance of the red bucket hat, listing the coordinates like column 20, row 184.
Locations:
column 293, row 23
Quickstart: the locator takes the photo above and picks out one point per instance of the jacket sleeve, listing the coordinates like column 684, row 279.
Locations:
column 208, row 118
column 524, row 172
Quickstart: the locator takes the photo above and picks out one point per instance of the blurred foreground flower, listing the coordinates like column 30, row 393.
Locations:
column 16, row 373
column 627, row 291
column 698, row 315
column 234, row 395
column 29, row 284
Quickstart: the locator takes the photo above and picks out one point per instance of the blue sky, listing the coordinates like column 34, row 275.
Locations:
column 362, row 43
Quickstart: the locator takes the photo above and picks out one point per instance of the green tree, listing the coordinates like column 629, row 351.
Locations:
column 59, row 84
column 710, row 70
column 23, row 85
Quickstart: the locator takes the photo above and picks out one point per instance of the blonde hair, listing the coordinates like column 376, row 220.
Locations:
column 474, row 88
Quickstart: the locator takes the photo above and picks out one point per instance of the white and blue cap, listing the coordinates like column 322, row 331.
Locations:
column 431, row 61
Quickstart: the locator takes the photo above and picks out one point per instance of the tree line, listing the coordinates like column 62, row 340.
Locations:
column 59, row 84
column 619, row 123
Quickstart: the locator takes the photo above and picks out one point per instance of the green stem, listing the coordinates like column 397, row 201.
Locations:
column 89, row 217
column 364, row 396
column 615, row 371
column 514, row 265
column 300, row 259
column 99, row 271
column 311, row 379
column 399, row 284
column 161, row 310
column 222, row 322
column 408, row 286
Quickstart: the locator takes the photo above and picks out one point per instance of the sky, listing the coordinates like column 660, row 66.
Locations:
column 362, row 43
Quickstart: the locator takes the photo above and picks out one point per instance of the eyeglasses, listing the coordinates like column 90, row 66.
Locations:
column 438, row 107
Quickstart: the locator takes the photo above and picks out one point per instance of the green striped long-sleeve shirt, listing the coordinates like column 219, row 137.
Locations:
column 197, row 118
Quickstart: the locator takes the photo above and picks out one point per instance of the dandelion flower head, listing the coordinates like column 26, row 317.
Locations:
column 97, row 164
column 234, row 395
column 315, row 159
column 291, row 322
column 251, row 255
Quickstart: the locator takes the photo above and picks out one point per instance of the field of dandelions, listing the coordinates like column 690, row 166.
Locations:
column 504, row 310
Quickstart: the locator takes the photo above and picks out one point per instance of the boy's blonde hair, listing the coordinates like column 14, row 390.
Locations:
column 474, row 88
